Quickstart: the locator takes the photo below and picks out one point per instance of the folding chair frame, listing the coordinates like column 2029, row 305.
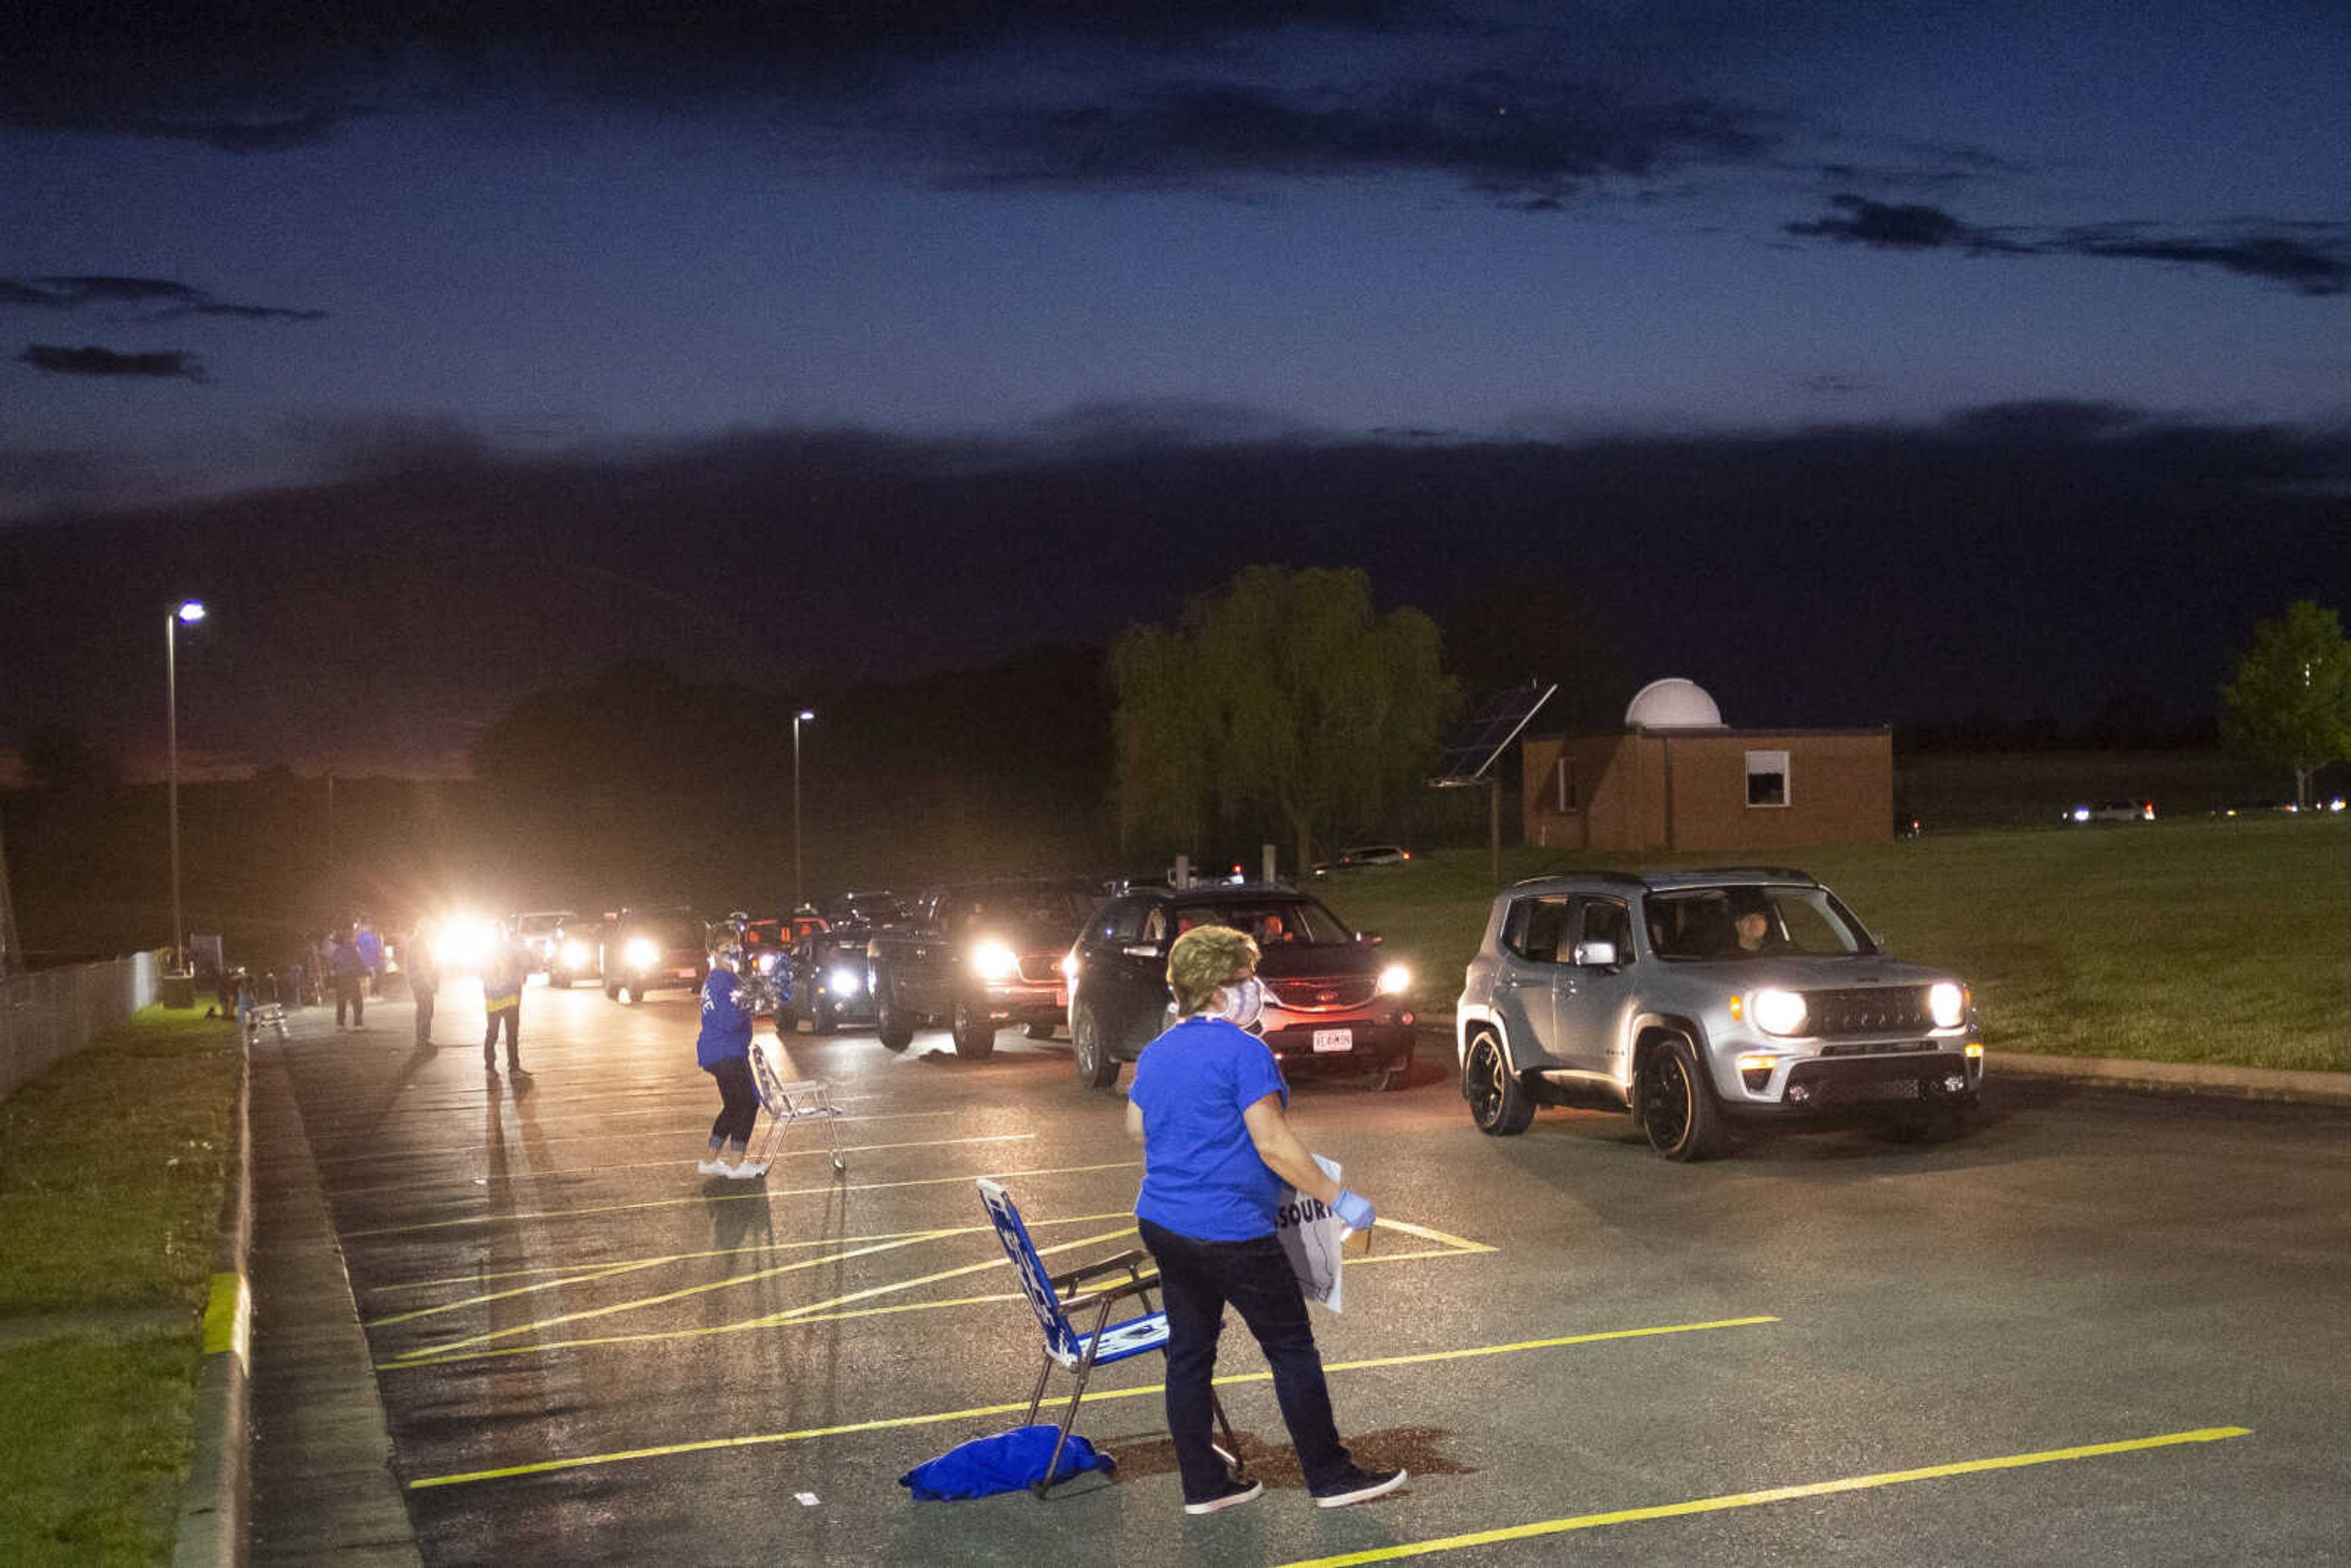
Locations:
column 787, row 1103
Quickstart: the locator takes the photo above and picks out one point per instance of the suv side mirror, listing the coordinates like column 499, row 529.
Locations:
column 1596, row 955
column 1142, row 950
column 1369, row 938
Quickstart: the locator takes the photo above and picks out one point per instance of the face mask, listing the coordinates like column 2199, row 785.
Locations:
column 1243, row 1003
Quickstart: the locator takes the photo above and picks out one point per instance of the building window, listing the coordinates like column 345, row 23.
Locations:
column 1563, row 797
column 1767, row 777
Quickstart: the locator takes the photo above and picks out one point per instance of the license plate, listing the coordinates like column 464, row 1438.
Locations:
column 1334, row 1039
column 1060, row 995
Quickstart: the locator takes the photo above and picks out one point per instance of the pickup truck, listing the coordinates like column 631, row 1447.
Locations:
column 975, row 956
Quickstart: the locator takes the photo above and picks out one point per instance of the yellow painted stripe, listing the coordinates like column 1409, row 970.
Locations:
column 707, row 1444
column 1757, row 1499
column 760, row 1194
column 228, row 1316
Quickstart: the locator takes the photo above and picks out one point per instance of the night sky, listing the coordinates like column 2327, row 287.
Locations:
column 1866, row 363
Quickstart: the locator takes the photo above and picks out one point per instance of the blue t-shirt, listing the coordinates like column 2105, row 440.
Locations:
column 1202, row 1177
column 726, row 1026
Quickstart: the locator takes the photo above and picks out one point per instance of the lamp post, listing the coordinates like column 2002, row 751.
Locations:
column 798, row 719
column 187, row 612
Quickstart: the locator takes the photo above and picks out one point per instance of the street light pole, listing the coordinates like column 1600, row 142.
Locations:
column 188, row 613
column 798, row 719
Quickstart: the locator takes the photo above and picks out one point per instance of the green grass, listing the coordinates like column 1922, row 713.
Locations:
column 112, row 1167
column 93, row 1434
column 2173, row 941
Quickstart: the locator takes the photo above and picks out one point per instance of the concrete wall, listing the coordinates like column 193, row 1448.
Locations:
column 50, row 1014
column 1651, row 790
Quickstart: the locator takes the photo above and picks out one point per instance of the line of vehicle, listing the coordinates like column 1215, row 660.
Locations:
column 757, row 1194
column 707, row 1444
column 1759, row 1499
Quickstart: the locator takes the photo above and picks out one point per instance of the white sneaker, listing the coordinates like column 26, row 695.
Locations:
column 749, row 1170
column 715, row 1167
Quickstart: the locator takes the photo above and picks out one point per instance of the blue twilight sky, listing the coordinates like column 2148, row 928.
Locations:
column 245, row 246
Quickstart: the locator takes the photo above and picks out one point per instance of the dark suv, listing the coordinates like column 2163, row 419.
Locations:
column 646, row 949
column 1332, row 1000
column 827, row 970
column 977, row 954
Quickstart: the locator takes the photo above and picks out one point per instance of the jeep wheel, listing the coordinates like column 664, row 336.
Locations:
column 559, row 982
column 1097, row 1067
column 1041, row 1029
column 1394, row 1073
column 1496, row 1103
column 636, row 994
column 612, row 992
column 1675, row 1105
column 974, row 1030
column 820, row 1020
column 890, row 1024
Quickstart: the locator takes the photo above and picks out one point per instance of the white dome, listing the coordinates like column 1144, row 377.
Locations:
column 1672, row 704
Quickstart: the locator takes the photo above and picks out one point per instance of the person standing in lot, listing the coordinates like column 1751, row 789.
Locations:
column 370, row 947
column 1208, row 1102
column 723, row 1050
column 351, row 980
column 501, row 978
column 423, row 980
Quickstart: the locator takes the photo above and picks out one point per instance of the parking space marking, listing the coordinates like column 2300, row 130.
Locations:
column 1757, row 1499
column 704, row 1199
column 467, row 1182
column 760, row 1440
column 471, row 1349
column 475, row 1147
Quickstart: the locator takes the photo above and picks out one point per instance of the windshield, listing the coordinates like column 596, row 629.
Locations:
column 1753, row 922
column 1273, row 922
column 1052, row 912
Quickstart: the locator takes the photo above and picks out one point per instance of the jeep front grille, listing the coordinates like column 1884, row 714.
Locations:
column 1323, row 996
column 1040, row 968
column 1869, row 1009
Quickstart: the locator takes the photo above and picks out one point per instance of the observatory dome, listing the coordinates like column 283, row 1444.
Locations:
column 1672, row 704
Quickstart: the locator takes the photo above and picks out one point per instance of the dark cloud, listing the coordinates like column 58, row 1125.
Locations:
column 1520, row 139
column 169, row 298
column 92, row 361
column 2312, row 259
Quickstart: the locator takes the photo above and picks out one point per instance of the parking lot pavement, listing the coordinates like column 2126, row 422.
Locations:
column 2082, row 1331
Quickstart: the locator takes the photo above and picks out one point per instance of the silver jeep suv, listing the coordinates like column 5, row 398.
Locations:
column 1698, row 998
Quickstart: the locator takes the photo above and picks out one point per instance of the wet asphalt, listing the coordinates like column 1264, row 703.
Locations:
column 2101, row 1327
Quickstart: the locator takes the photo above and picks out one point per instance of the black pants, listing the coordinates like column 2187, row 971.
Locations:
column 423, row 995
column 1195, row 1280
column 513, row 1016
column 351, row 993
column 741, row 1097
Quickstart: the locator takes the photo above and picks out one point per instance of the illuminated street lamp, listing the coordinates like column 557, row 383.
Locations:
column 798, row 719
column 188, row 613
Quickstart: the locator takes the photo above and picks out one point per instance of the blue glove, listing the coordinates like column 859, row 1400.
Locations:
column 1353, row 1210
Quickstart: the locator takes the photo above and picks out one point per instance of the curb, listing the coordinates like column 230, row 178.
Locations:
column 216, row 1501
column 2290, row 1085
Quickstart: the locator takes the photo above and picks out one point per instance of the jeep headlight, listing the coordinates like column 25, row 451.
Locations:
column 1947, row 1004
column 844, row 982
column 575, row 955
column 995, row 961
column 1394, row 980
column 1777, row 1011
column 642, row 953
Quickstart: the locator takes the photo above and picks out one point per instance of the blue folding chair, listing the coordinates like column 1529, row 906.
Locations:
column 1100, row 1346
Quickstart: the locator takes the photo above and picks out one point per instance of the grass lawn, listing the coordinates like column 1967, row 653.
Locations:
column 112, row 1167
column 2177, row 941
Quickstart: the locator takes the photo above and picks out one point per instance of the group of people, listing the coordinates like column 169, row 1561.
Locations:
column 1219, row 1156
column 504, row 970
column 351, row 959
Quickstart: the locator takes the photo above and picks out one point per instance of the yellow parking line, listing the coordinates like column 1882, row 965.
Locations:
column 759, row 1194
column 461, row 1183
column 690, row 1130
column 1756, row 1499
column 546, row 1467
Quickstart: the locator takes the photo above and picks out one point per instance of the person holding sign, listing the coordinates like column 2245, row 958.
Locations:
column 1208, row 1102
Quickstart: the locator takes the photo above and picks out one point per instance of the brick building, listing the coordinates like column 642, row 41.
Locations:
column 1678, row 778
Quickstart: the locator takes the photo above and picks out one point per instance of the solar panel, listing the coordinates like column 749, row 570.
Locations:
column 1479, row 742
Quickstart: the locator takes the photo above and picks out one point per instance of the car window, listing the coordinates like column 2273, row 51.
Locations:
column 1535, row 927
column 1608, row 920
column 1272, row 921
column 1702, row 924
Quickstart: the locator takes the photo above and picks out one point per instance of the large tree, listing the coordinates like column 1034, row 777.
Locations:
column 1283, row 697
column 2289, row 704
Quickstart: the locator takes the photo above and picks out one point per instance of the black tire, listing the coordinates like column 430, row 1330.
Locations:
column 890, row 1024
column 636, row 995
column 563, row 984
column 1497, row 1103
column 1394, row 1073
column 1674, row 1105
column 1097, row 1067
column 973, row 1031
column 1041, row 1029
column 787, row 1021
column 821, row 1019
column 612, row 992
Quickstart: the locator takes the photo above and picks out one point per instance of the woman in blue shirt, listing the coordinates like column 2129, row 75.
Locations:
column 1208, row 1102
column 723, row 1049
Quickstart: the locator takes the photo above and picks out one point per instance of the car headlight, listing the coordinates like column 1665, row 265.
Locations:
column 995, row 961
column 845, row 983
column 1947, row 1004
column 767, row 962
column 575, row 955
column 642, row 953
column 1394, row 980
column 1777, row 1011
